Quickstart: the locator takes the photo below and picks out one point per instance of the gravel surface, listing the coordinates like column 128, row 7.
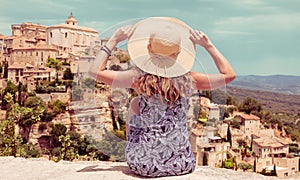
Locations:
column 39, row 169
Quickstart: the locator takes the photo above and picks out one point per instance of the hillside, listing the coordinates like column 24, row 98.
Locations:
column 271, row 101
column 275, row 83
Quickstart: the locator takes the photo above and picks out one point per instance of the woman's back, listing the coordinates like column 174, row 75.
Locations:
column 158, row 140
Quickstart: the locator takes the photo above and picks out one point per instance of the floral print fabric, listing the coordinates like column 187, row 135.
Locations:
column 158, row 140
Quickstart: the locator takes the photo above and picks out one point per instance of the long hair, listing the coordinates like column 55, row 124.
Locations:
column 169, row 89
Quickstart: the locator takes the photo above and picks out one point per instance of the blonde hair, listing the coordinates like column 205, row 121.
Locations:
column 169, row 89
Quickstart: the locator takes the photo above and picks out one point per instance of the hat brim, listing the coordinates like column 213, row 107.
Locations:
column 138, row 51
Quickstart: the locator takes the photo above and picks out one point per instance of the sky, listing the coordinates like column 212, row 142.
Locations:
column 258, row 37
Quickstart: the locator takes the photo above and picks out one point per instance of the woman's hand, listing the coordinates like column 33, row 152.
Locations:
column 122, row 33
column 198, row 37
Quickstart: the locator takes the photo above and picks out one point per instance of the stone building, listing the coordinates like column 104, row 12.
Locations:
column 250, row 124
column 1, row 47
column 25, row 39
column 215, row 151
column 274, row 151
column 69, row 37
column 270, row 147
column 28, row 74
column 36, row 56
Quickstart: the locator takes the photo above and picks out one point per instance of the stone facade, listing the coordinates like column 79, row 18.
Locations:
column 69, row 37
column 250, row 124
column 215, row 151
column 270, row 147
column 27, row 74
column 27, row 41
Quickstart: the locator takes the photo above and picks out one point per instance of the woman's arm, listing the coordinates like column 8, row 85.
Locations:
column 114, row 78
column 212, row 81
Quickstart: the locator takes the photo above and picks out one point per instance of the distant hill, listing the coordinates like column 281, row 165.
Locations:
column 276, row 83
column 271, row 101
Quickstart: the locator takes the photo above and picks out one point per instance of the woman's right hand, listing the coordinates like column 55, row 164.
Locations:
column 123, row 33
column 198, row 37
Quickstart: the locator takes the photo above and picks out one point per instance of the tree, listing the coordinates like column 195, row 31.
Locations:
column 244, row 166
column 88, row 83
column 230, row 100
column 5, row 73
column 56, row 132
column 249, row 105
column 229, row 136
column 273, row 172
column 68, row 75
column 12, row 89
column 58, row 107
column 68, row 152
column 77, row 93
column 54, row 63
column 254, row 166
column 28, row 115
column 204, row 160
column 9, row 142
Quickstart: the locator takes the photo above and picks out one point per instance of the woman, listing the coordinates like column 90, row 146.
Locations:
column 163, row 52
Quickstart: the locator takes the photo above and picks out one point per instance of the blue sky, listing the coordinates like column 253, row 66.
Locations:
column 258, row 37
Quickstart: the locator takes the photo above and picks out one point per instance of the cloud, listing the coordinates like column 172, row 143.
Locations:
column 259, row 23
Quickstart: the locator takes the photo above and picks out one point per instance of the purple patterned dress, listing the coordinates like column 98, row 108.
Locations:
column 158, row 140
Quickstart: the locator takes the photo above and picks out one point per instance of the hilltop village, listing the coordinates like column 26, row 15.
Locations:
column 52, row 108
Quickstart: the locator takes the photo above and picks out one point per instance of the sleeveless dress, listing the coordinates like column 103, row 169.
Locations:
column 158, row 139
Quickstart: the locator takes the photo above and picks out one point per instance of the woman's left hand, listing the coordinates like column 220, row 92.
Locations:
column 123, row 33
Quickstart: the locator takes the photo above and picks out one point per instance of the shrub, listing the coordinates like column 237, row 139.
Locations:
column 28, row 151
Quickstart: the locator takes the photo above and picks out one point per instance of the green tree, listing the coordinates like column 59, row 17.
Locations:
column 5, row 73
column 245, row 166
column 56, row 132
column 68, row 152
column 228, row 163
column 229, row 136
column 68, row 75
column 88, row 83
column 54, row 63
column 77, row 93
column 58, row 107
column 230, row 100
column 249, row 105
column 10, row 88
column 9, row 142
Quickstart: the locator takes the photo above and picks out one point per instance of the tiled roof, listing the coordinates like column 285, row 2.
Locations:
column 16, row 66
column 269, row 142
column 198, row 132
column 248, row 116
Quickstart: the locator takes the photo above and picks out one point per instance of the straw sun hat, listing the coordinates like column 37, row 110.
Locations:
column 172, row 52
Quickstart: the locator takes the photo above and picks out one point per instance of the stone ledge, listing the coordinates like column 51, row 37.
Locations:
column 32, row 169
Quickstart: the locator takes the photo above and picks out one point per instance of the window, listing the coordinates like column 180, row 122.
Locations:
column 51, row 35
column 37, row 53
column 66, row 35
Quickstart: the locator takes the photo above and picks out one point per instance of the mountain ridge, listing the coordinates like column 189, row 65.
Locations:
column 286, row 84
